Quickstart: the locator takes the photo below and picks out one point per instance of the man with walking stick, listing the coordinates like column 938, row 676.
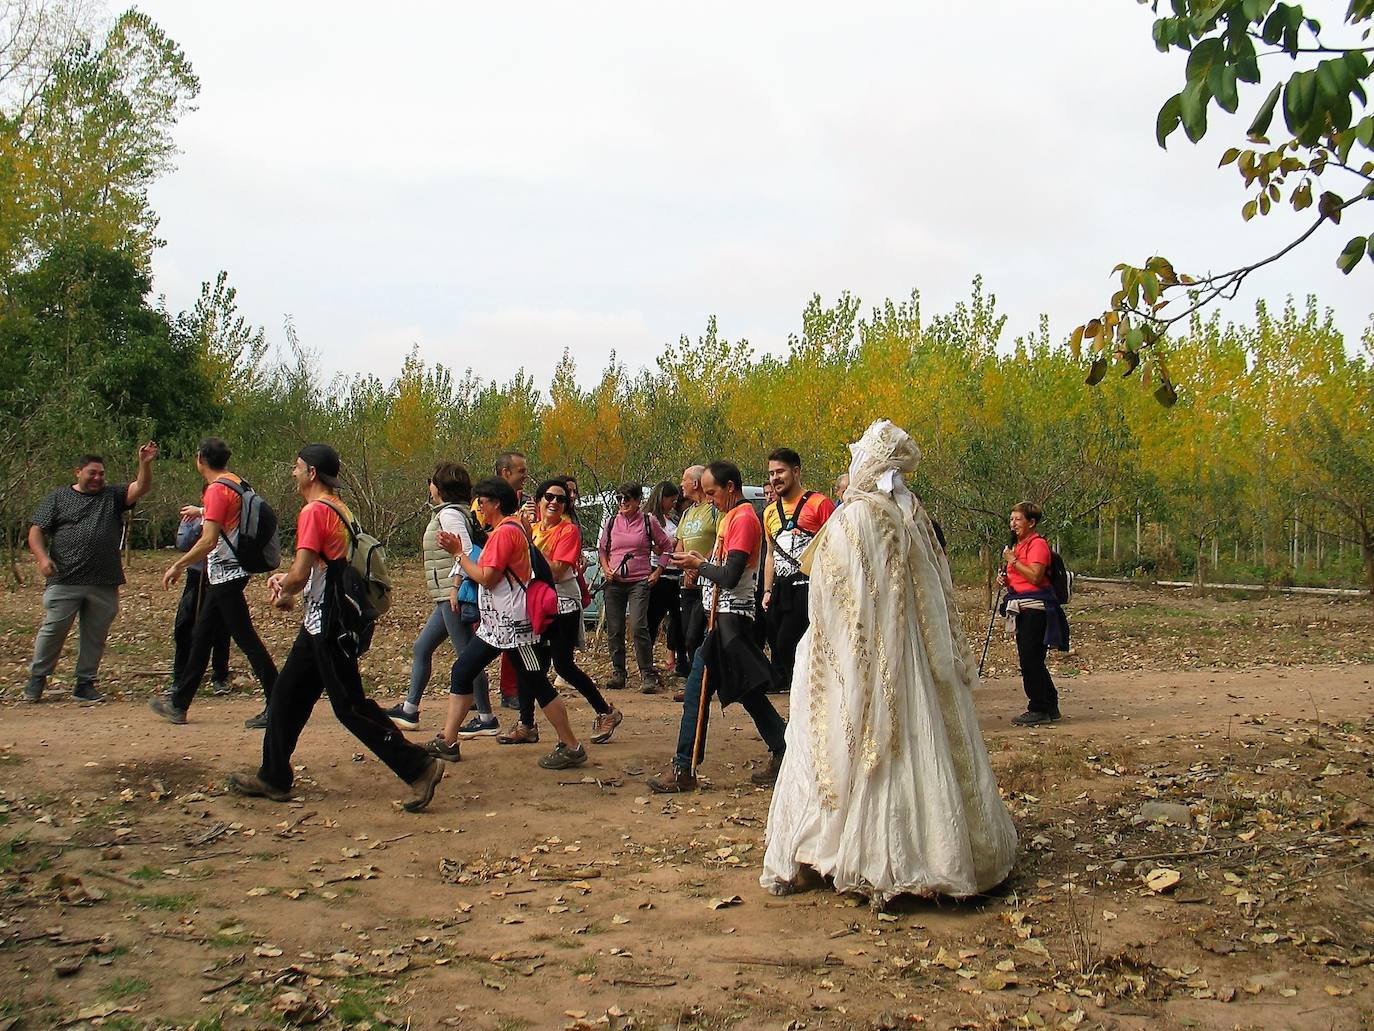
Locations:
column 729, row 662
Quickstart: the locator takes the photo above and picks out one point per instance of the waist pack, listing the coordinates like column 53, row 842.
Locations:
column 361, row 588
column 258, row 547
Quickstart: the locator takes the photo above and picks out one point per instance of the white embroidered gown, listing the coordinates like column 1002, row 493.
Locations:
column 886, row 786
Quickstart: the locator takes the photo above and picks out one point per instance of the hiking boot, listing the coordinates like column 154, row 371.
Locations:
column 682, row 670
column 616, row 683
column 564, row 758
column 249, row 784
column 33, row 690
column 169, row 712
column 441, row 749
column 519, row 735
column 674, row 781
column 679, row 696
column 405, row 720
column 220, row 687
column 605, row 726
column 480, row 726
column 86, row 693
column 510, row 701
column 649, row 685
column 258, row 722
column 768, row 776
column 1031, row 718
column 422, row 787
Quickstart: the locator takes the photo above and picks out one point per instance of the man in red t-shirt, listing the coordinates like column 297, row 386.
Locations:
column 739, row 671
column 789, row 524
column 224, row 603
column 1027, row 577
column 316, row 663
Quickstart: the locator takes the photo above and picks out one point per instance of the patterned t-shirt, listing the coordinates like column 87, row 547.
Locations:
column 224, row 506
column 85, row 531
column 740, row 530
column 791, row 531
column 320, row 529
column 505, row 621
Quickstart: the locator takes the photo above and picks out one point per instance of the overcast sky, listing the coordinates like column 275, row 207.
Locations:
column 496, row 182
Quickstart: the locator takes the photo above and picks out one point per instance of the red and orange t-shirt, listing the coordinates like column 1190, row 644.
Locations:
column 739, row 530
column 319, row 529
column 562, row 542
column 505, row 621
column 791, row 530
column 223, row 505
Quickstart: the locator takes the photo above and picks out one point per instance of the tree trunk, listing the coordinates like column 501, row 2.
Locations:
column 1115, row 522
column 1137, row 529
column 1099, row 537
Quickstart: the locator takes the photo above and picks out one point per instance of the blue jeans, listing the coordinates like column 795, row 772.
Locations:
column 443, row 624
column 772, row 727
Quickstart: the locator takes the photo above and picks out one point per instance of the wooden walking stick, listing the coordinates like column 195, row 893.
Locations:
column 705, row 677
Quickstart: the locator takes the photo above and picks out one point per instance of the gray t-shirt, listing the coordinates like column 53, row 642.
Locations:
column 84, row 531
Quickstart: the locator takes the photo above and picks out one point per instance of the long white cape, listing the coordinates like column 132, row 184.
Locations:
column 886, row 786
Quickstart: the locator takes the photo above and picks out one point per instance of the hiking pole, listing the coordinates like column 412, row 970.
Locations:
column 988, row 640
column 705, row 675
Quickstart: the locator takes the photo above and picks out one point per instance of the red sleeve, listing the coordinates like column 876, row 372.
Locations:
column 221, row 504
column 1039, row 551
column 743, row 534
column 500, row 548
column 566, row 545
column 316, row 527
column 818, row 510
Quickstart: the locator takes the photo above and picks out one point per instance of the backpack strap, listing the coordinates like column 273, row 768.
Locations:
column 241, row 488
column 348, row 523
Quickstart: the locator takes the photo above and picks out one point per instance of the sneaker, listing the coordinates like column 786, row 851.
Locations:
column 169, row 712
column 220, row 687
column 405, row 720
column 564, row 758
column 480, row 726
column 672, row 782
column 519, row 735
column 768, row 776
column 249, row 784
column 258, row 722
column 86, row 693
column 422, row 787
column 510, row 701
column 605, row 726
column 33, row 690
column 441, row 749
column 1031, row 718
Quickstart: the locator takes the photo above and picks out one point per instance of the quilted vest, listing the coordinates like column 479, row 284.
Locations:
column 438, row 562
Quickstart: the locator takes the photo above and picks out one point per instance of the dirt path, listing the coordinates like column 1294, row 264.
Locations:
column 527, row 898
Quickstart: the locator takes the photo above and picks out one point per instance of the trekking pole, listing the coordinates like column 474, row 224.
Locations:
column 705, row 675
column 988, row 640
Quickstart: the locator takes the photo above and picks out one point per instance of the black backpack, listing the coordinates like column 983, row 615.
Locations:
column 360, row 591
column 1061, row 578
column 259, row 548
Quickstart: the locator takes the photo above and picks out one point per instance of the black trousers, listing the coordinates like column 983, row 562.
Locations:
column 192, row 600
column 693, row 619
column 562, row 639
column 224, row 605
column 665, row 610
column 788, row 618
column 1030, row 650
column 531, row 662
column 316, row 666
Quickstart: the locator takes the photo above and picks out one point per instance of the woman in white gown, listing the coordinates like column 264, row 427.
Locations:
column 886, row 787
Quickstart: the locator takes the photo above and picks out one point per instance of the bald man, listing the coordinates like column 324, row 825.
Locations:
column 696, row 531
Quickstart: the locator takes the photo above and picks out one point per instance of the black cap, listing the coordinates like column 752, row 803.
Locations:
column 324, row 460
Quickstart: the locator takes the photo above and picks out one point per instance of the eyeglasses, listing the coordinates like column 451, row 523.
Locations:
column 622, row 498
column 562, row 499
column 485, row 501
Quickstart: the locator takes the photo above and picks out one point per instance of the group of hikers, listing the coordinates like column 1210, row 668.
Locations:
column 697, row 559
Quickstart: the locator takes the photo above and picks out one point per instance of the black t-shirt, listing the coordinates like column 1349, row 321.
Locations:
column 84, row 532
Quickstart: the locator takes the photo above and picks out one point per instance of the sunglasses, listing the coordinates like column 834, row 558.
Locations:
column 626, row 497
column 562, row 499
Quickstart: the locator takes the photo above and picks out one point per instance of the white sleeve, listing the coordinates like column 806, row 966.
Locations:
column 452, row 520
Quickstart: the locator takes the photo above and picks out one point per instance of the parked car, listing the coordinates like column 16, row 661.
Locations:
column 592, row 513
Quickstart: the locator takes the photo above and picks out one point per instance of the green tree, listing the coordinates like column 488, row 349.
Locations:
column 1319, row 160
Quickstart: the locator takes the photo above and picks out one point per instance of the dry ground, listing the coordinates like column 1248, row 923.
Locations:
column 134, row 892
